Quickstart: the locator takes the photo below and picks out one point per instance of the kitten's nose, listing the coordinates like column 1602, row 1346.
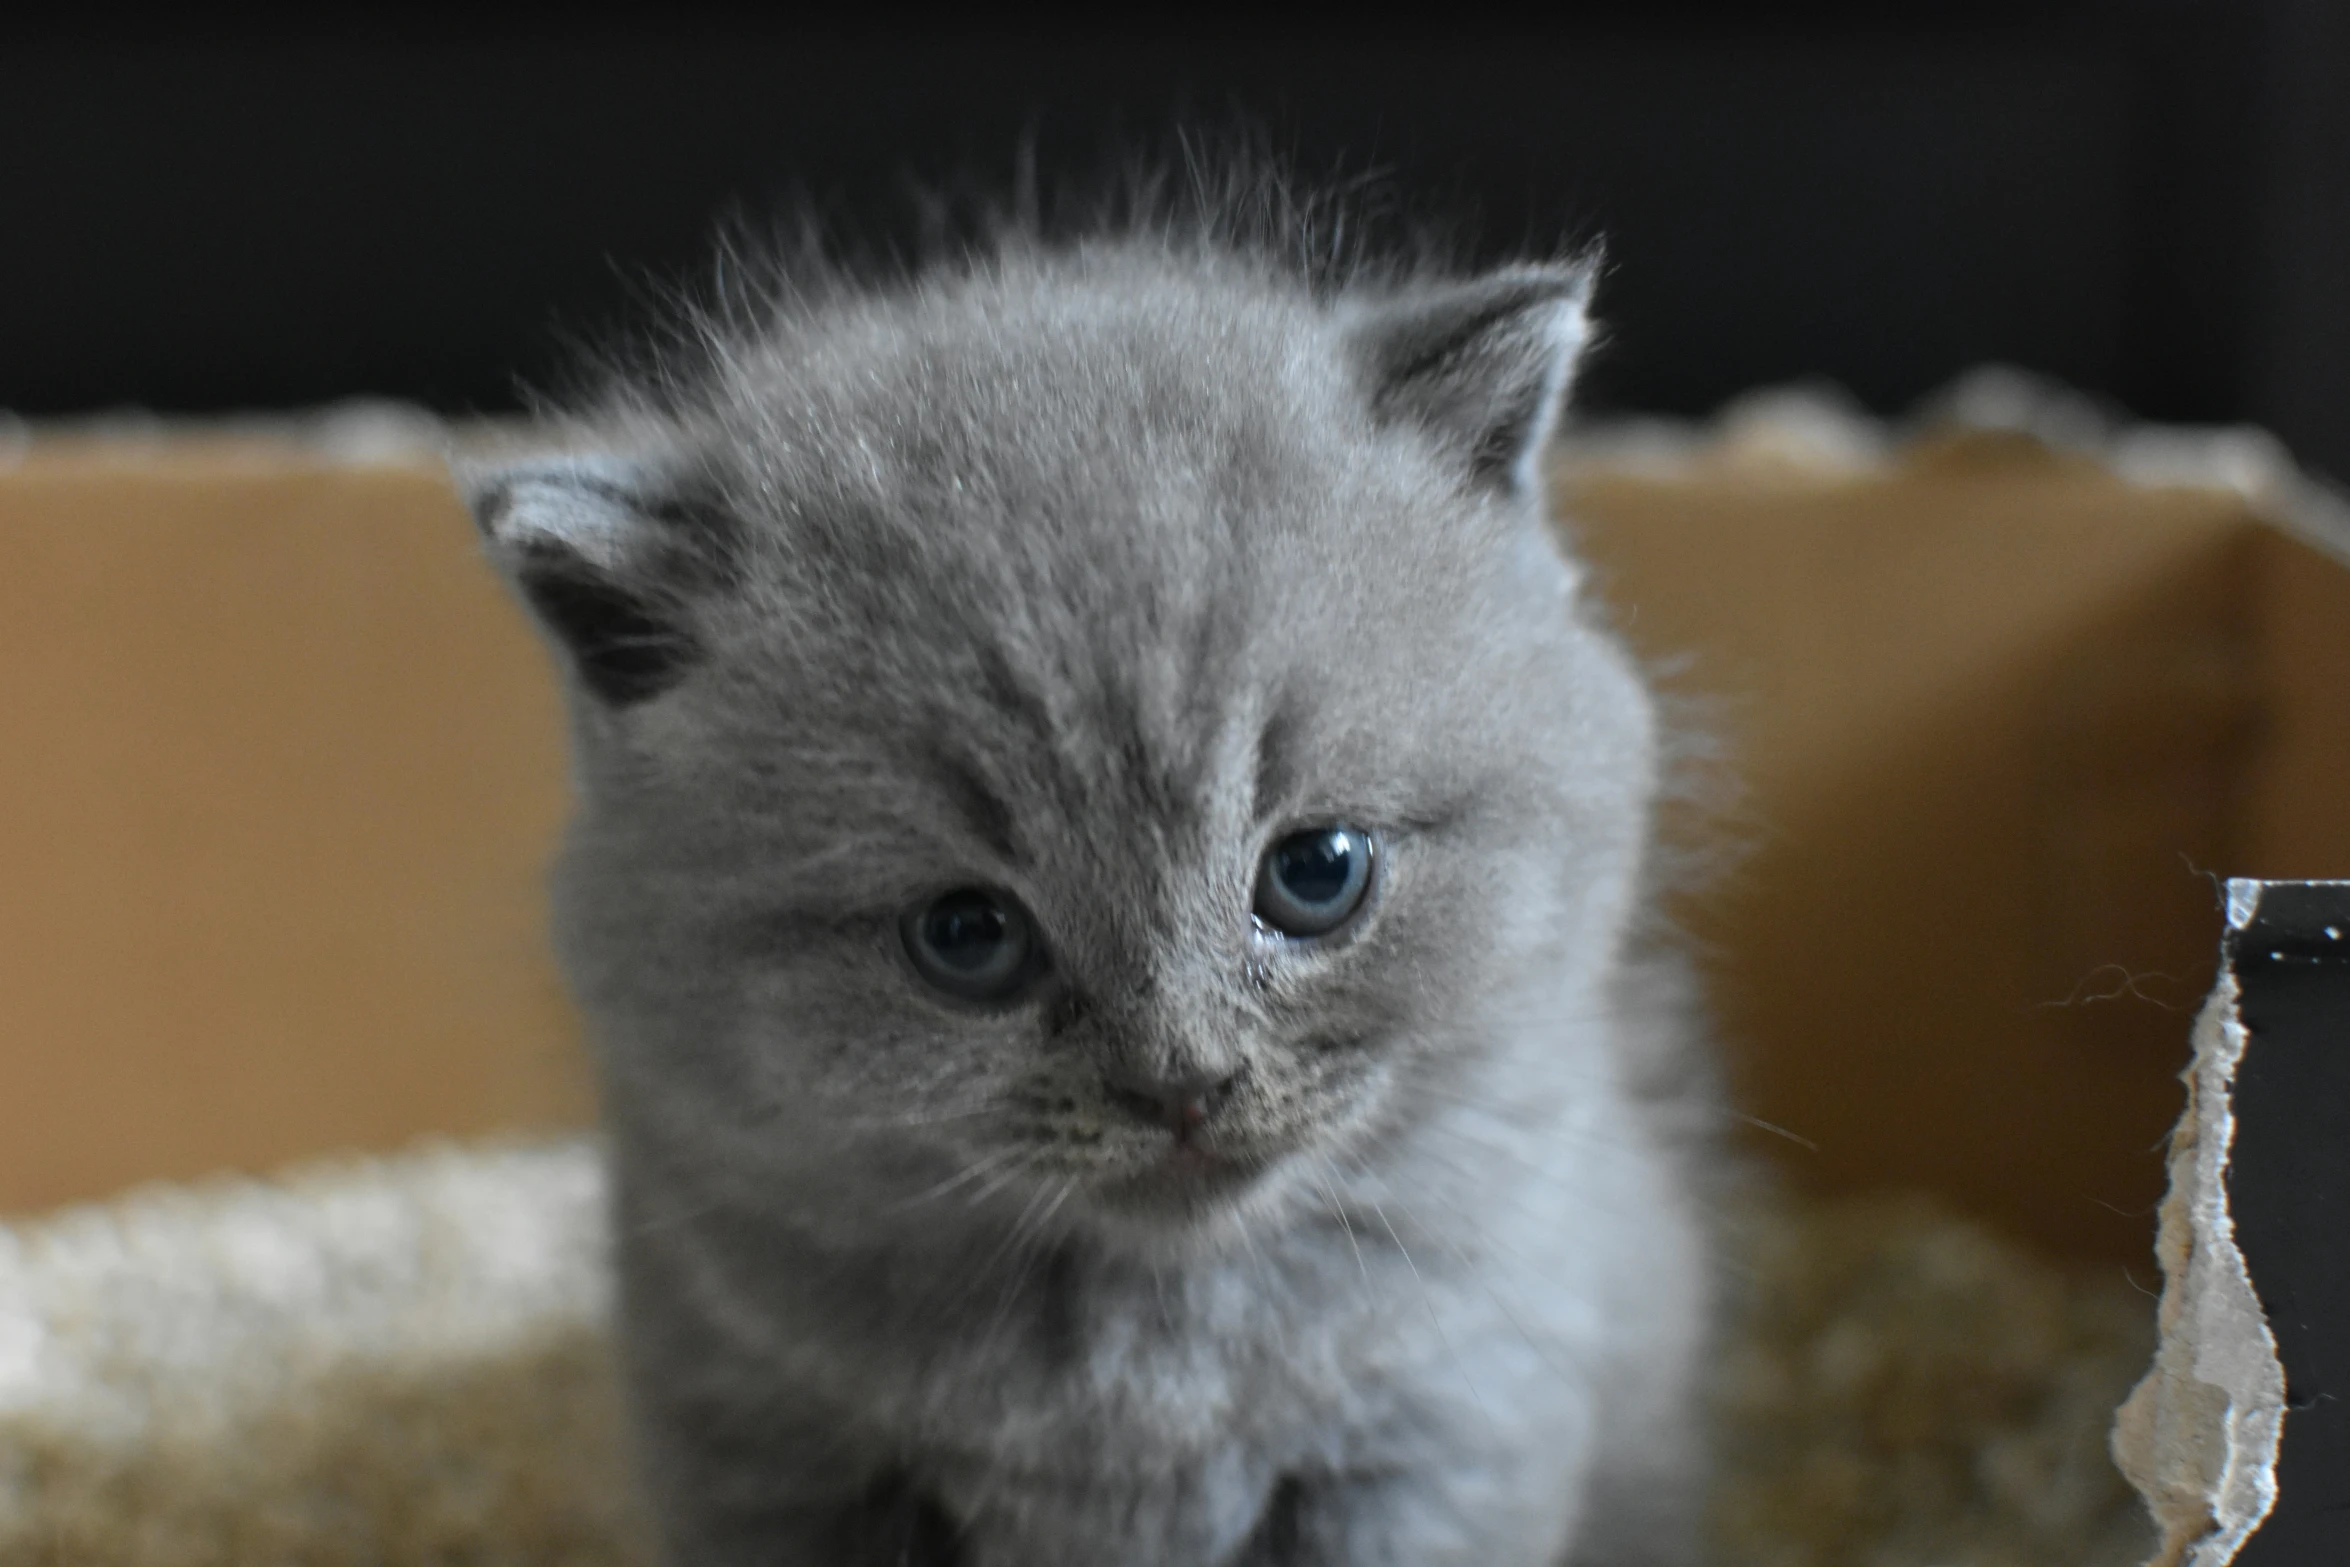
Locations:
column 1180, row 1104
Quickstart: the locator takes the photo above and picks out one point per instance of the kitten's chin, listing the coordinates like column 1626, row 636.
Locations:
column 1184, row 1201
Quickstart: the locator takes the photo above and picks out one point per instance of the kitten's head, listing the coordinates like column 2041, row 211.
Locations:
column 1108, row 731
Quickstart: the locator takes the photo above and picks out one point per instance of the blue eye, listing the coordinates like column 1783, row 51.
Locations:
column 978, row 946
column 1314, row 881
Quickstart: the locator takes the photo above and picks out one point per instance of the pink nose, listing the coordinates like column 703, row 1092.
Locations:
column 1182, row 1105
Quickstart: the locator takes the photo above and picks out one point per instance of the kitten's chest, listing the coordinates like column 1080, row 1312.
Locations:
column 1148, row 1425
column 1168, row 1370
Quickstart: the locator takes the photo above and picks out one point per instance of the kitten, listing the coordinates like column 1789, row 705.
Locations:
column 1105, row 885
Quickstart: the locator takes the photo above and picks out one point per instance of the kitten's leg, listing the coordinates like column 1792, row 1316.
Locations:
column 1647, row 1504
column 889, row 1526
column 1468, row 1517
column 1646, row 1512
column 784, row 1498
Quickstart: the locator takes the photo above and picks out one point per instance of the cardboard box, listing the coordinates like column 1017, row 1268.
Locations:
column 2237, row 1434
column 279, row 770
column 2005, row 706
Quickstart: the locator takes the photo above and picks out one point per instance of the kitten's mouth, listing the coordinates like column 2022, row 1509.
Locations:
column 1182, row 1178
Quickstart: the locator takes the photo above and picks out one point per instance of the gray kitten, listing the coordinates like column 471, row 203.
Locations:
column 1105, row 888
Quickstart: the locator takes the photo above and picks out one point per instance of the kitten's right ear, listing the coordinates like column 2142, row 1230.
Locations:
column 608, row 557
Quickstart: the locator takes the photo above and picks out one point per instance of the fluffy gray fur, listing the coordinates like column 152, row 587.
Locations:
column 1085, row 573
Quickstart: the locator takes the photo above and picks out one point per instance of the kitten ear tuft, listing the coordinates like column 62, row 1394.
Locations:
column 1483, row 364
column 605, row 557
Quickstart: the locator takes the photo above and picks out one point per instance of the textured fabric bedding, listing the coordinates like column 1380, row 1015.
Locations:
column 404, row 1362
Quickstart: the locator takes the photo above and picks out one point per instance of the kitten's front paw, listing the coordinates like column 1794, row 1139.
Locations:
column 1274, row 1541
column 903, row 1526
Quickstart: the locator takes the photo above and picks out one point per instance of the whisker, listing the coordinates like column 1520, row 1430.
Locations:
column 1338, row 1211
column 1022, row 1245
column 961, row 1178
column 1428, row 1303
column 1775, row 1129
column 1275, row 1317
column 1483, row 1275
column 1027, row 1160
column 888, row 1123
column 1725, row 1216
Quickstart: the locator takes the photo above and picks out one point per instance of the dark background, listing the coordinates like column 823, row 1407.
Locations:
column 2149, row 199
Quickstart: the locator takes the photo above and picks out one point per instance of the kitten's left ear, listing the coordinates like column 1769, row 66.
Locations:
column 1483, row 364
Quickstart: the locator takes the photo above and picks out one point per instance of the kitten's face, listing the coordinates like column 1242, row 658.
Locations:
column 1116, row 774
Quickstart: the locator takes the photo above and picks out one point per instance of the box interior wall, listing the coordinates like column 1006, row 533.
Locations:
column 279, row 772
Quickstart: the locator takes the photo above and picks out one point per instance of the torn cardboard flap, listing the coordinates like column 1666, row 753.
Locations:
column 2198, row 1436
